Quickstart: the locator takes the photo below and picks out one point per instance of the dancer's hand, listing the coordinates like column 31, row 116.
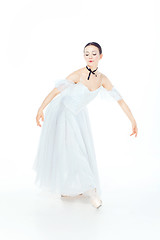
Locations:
column 134, row 129
column 39, row 115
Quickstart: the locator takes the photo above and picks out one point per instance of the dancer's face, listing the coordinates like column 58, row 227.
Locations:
column 92, row 56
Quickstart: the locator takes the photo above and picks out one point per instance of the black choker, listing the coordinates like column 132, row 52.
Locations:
column 90, row 71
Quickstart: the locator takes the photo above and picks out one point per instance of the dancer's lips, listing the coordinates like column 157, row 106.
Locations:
column 90, row 61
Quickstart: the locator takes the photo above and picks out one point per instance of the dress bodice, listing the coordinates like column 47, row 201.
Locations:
column 76, row 96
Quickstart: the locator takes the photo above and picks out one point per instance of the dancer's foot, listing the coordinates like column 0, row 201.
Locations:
column 94, row 198
column 96, row 202
column 71, row 196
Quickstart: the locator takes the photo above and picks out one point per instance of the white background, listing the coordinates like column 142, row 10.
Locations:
column 44, row 40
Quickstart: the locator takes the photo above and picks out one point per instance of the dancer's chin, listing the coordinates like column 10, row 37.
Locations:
column 90, row 64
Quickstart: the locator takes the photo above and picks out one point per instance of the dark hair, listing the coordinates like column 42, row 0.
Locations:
column 96, row 45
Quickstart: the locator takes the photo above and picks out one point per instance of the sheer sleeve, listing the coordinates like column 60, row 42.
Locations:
column 110, row 94
column 62, row 84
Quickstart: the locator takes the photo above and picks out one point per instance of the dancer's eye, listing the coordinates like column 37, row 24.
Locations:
column 93, row 54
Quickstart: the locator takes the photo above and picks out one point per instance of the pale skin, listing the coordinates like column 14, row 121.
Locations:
column 91, row 53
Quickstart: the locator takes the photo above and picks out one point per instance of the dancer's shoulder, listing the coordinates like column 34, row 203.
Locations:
column 106, row 83
column 74, row 76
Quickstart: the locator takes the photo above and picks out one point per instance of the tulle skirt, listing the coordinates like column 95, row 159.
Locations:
column 65, row 161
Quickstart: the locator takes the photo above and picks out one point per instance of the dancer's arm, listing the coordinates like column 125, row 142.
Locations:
column 59, row 87
column 62, row 84
column 48, row 98
column 106, row 83
column 46, row 101
column 111, row 90
column 71, row 77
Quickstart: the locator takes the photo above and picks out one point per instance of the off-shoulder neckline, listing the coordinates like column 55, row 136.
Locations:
column 88, row 88
column 79, row 82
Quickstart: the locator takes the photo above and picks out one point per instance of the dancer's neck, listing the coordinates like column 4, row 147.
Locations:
column 92, row 67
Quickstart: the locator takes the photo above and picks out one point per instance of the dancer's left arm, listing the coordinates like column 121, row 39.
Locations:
column 129, row 114
column 106, row 83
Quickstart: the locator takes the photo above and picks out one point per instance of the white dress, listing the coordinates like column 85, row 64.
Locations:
column 65, row 162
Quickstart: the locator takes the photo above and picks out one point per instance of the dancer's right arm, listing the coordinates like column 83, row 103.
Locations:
column 46, row 101
column 59, row 86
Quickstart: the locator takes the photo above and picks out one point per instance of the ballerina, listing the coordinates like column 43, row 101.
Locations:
column 66, row 161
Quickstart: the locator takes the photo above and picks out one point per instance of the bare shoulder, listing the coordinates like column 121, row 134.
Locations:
column 106, row 83
column 74, row 76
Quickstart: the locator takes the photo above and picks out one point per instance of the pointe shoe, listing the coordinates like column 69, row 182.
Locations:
column 94, row 198
column 70, row 196
column 96, row 202
column 64, row 196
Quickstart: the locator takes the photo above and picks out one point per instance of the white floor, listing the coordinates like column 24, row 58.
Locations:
column 27, row 213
